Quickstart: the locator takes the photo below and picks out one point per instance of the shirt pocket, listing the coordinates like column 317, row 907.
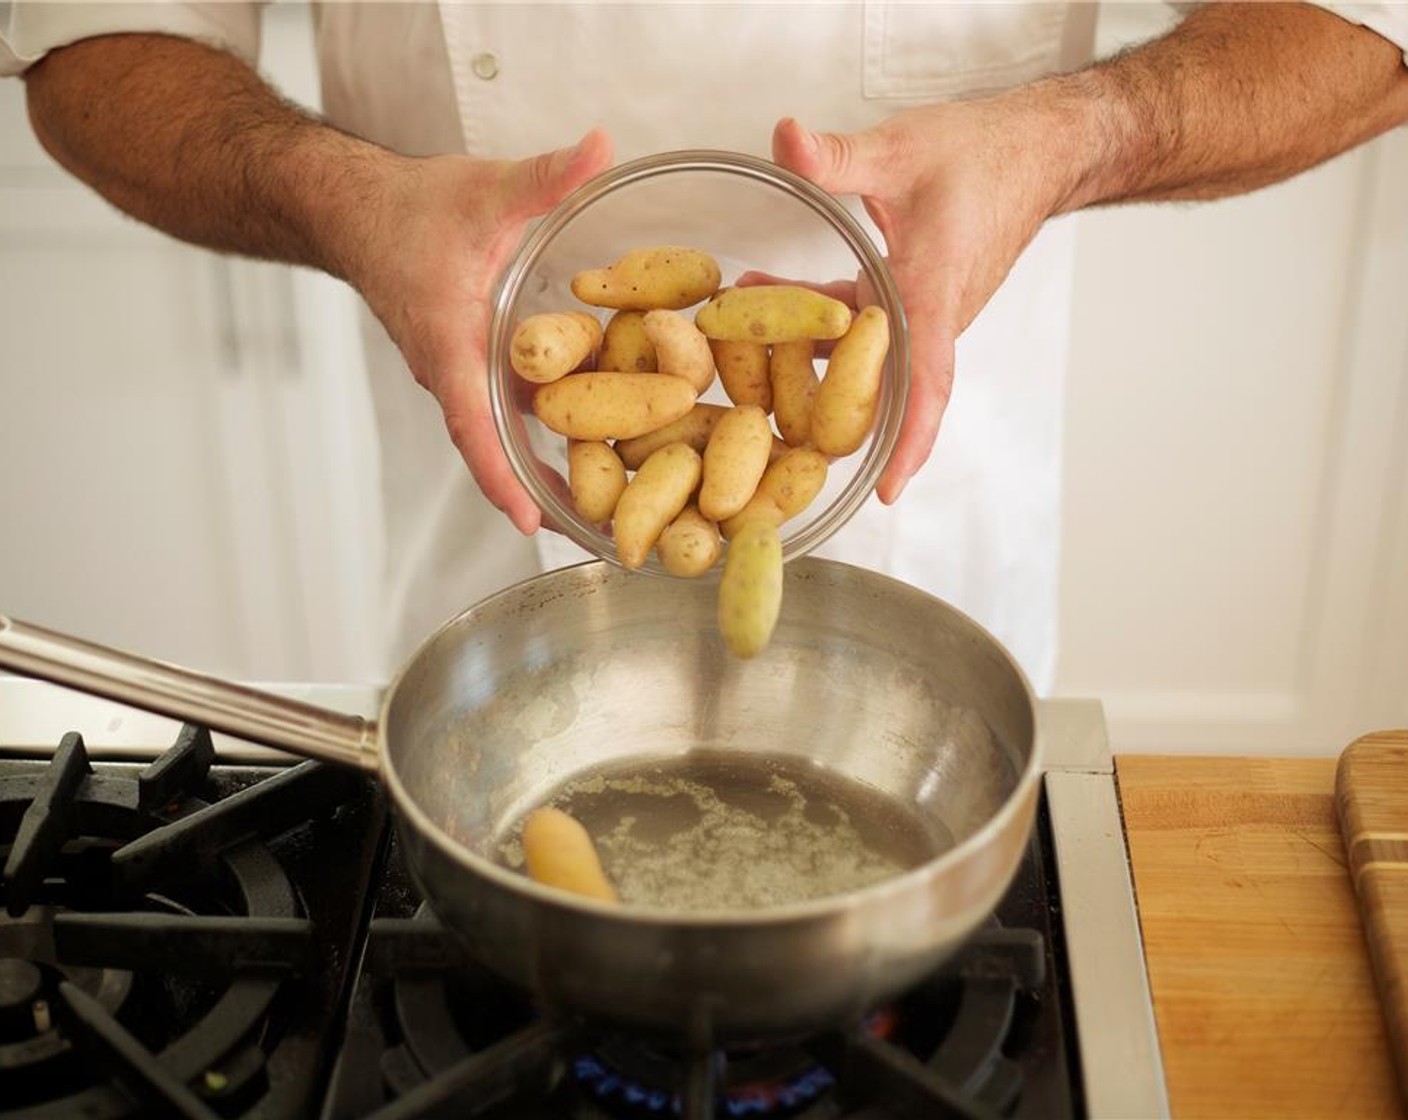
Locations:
column 945, row 50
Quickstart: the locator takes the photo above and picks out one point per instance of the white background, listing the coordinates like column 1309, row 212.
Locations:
column 186, row 464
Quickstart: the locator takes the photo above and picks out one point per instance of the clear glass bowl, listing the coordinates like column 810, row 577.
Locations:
column 750, row 215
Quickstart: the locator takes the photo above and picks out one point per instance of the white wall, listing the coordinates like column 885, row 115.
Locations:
column 187, row 464
column 1234, row 566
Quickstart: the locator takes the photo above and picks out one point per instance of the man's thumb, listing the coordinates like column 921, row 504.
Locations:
column 839, row 163
column 544, row 181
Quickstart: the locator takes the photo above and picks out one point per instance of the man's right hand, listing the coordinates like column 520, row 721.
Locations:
column 191, row 140
column 426, row 259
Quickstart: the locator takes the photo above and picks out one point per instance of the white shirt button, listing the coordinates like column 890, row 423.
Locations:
column 485, row 66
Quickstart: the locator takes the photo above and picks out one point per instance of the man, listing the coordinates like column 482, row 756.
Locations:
column 963, row 128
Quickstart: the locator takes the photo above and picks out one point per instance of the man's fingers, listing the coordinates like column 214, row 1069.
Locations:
column 843, row 290
column 474, row 434
column 559, row 486
column 461, row 385
column 863, row 292
column 837, row 162
column 527, row 188
column 536, row 185
column 931, row 361
column 855, row 294
column 929, row 392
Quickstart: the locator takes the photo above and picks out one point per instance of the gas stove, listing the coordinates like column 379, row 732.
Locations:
column 198, row 927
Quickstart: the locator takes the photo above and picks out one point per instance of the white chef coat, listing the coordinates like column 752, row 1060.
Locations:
column 979, row 524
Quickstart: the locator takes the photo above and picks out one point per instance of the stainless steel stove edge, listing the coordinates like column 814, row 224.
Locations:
column 1121, row 1063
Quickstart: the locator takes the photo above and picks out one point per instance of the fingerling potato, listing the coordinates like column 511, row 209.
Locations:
column 795, row 479
column 794, row 386
column 595, row 478
column 652, row 499
column 787, row 487
column 743, row 370
column 667, row 276
column 625, row 347
column 734, row 461
column 690, row 544
column 750, row 592
column 694, row 428
column 598, row 406
column 680, row 349
column 844, row 410
column 559, row 853
column 551, row 345
column 773, row 313
column 759, row 507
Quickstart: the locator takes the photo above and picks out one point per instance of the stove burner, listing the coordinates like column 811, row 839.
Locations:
column 456, row 1041
column 632, row 1079
column 940, row 1051
column 432, row 1034
column 147, row 935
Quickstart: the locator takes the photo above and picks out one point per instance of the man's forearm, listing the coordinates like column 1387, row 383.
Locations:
column 1237, row 97
column 191, row 141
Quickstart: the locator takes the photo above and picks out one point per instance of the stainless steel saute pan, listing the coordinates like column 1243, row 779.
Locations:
column 896, row 714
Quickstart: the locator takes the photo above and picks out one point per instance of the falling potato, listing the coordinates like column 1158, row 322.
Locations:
column 750, row 592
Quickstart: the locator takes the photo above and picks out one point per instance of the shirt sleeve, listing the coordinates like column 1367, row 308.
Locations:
column 29, row 29
column 1389, row 19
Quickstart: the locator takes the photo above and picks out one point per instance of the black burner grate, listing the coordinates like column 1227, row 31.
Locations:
column 169, row 946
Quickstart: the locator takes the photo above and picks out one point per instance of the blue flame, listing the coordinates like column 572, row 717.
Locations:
column 764, row 1100
column 747, row 1101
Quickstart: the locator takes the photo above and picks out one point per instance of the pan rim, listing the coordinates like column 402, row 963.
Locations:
column 908, row 882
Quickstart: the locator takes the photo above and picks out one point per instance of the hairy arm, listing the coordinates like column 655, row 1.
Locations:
column 1239, row 95
column 191, row 141
column 1236, row 97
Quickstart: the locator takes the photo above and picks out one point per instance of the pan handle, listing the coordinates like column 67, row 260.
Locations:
column 172, row 691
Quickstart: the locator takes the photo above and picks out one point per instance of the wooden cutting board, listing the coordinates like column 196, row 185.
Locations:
column 1263, row 993
column 1371, row 796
